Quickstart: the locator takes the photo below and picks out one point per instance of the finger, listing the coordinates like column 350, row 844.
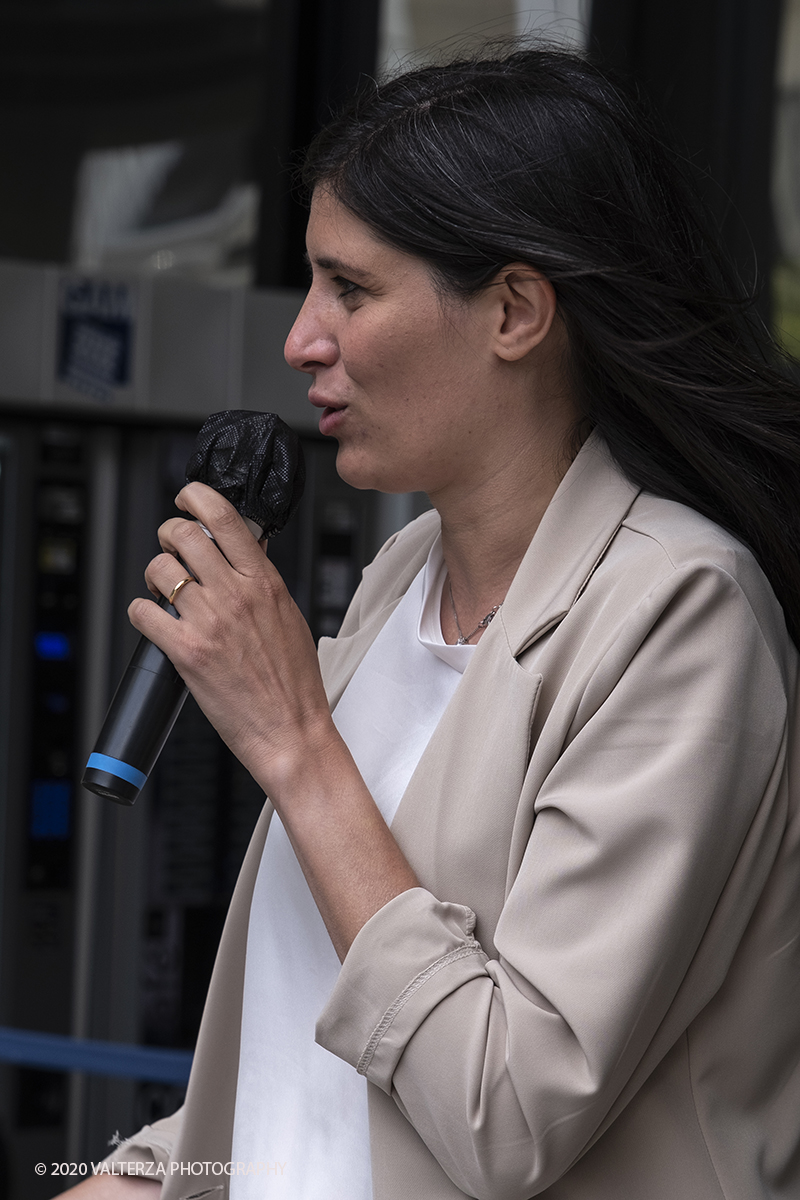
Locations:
column 183, row 582
column 234, row 535
column 156, row 624
column 225, row 525
column 187, row 543
column 164, row 574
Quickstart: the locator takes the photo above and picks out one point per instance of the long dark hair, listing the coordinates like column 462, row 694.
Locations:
column 535, row 156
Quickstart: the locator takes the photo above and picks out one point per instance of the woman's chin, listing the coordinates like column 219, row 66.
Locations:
column 364, row 473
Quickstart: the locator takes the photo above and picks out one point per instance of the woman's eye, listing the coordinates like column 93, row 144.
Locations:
column 345, row 286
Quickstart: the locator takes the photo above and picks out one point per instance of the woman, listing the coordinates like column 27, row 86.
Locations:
column 563, row 888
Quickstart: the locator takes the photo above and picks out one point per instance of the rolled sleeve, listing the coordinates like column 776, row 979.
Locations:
column 381, row 998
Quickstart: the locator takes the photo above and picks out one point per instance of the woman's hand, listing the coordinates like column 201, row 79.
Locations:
column 249, row 660
column 242, row 645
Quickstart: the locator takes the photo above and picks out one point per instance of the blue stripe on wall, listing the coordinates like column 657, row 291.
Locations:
column 53, row 1052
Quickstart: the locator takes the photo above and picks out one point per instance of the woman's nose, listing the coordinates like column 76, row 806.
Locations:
column 309, row 346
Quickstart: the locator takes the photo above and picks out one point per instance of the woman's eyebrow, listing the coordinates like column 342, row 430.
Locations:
column 328, row 263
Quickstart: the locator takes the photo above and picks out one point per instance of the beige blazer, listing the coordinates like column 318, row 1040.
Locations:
column 595, row 994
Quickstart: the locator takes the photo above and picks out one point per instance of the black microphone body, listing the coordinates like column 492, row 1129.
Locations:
column 146, row 705
column 256, row 461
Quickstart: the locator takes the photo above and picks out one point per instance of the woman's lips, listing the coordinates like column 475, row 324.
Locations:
column 331, row 419
column 332, row 411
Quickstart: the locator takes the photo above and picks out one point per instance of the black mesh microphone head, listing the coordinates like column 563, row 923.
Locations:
column 254, row 460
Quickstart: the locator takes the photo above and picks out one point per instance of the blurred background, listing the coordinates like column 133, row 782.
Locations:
column 150, row 268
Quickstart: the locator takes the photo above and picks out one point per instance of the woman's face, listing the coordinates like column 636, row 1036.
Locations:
column 407, row 383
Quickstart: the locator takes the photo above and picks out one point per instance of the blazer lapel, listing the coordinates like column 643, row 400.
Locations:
column 583, row 517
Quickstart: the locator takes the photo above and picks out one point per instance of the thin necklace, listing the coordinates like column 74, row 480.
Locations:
column 487, row 620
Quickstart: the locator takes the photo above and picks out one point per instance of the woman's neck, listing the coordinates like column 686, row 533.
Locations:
column 485, row 534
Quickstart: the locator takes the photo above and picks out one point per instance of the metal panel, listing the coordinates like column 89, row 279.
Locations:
column 26, row 343
column 190, row 348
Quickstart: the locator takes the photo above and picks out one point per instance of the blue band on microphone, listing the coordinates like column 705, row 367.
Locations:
column 114, row 766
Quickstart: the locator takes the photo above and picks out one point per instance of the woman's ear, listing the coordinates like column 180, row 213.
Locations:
column 528, row 304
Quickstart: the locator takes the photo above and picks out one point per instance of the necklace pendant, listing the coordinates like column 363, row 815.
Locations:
column 462, row 640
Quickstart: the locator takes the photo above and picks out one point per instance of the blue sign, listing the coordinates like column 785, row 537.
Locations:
column 95, row 342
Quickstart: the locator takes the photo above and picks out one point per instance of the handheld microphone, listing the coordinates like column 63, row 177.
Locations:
column 256, row 461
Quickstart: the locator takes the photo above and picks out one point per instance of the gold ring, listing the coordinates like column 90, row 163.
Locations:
column 181, row 583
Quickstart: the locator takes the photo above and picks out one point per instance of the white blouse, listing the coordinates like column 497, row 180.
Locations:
column 301, row 1113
